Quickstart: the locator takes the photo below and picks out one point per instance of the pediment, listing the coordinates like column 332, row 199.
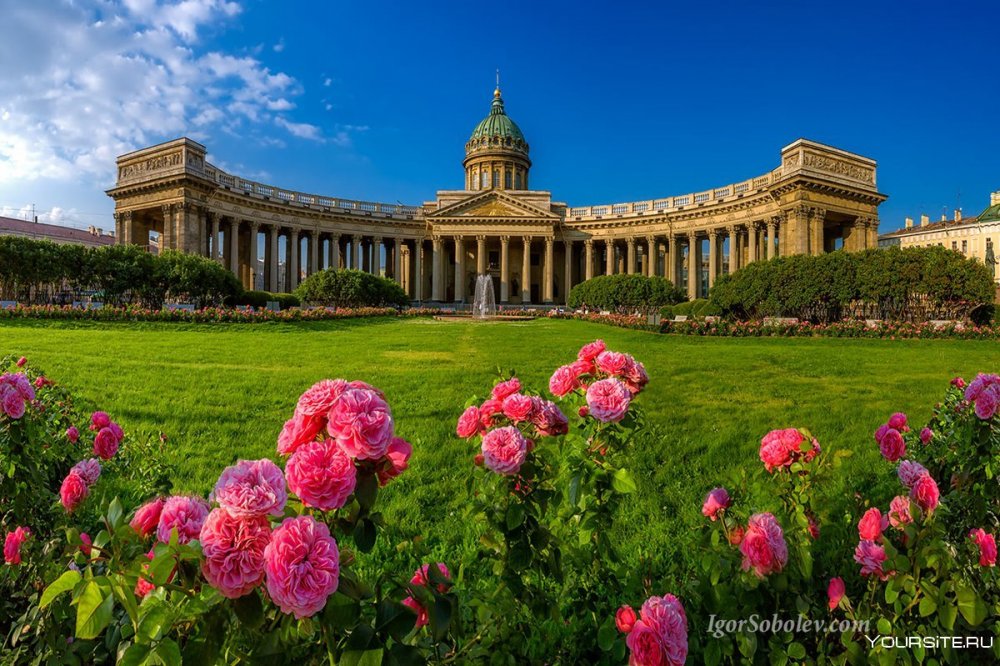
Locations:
column 493, row 204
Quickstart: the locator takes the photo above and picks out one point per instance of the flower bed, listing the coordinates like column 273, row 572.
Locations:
column 205, row 315
column 842, row 329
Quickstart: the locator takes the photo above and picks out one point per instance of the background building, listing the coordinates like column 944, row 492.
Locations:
column 818, row 199
column 92, row 237
column 977, row 237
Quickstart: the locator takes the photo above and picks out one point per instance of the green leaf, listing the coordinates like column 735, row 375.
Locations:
column 946, row 615
column 93, row 611
column 249, row 610
column 366, row 491
column 362, row 658
column 440, row 617
column 341, row 612
column 161, row 567
column 364, row 535
column 622, row 482
column 115, row 512
column 797, row 651
column 135, row 655
column 64, row 583
column 515, row 516
column 394, row 618
column 606, row 635
column 884, row 627
column 168, row 652
column 155, row 619
column 927, row 606
column 971, row 606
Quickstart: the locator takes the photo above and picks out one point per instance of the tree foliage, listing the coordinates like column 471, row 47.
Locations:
column 625, row 293
column 912, row 284
column 350, row 289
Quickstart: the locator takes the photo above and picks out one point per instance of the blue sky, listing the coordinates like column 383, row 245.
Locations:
column 375, row 100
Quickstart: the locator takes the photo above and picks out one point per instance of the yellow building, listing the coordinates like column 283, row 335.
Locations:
column 816, row 200
column 977, row 237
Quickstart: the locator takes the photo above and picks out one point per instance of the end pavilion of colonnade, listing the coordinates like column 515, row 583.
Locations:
column 818, row 199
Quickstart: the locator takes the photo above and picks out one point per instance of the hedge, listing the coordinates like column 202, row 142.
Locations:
column 260, row 299
column 912, row 284
column 625, row 293
column 40, row 271
column 350, row 289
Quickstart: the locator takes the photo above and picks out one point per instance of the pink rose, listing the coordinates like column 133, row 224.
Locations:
column 233, row 551
column 518, row 407
column 835, row 592
column 297, row 431
column 302, row 566
column 644, row 646
column 504, row 389
column 504, row 450
column 99, row 420
column 362, row 424
column 987, row 547
column 581, row 369
column 612, row 363
column 12, row 402
column 958, row 383
column 86, row 544
column 322, row 475
column 396, row 460
column 184, row 514
column 72, row 434
column 73, row 491
column 488, row 411
column 420, row 577
column 608, row 400
column 21, row 362
column 716, row 501
column 909, row 471
column 563, row 381
column 625, row 619
column 870, row 556
column 763, row 547
column 417, row 608
column 926, row 435
column 469, row 424
column 871, row 525
column 773, row 452
column 591, row 350
column 898, row 422
column 663, row 618
column 12, row 545
column 319, row 399
column 147, row 517
column 549, row 419
column 105, row 443
column 251, row 488
column 984, row 393
column 899, row 512
column 635, row 376
column 892, row 445
column 925, row 493
column 89, row 470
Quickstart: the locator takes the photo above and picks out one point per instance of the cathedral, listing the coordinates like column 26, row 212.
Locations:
column 818, row 199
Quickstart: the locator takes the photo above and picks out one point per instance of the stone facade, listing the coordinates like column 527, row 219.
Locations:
column 817, row 200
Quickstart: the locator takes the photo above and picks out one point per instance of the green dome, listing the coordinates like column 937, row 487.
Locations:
column 991, row 214
column 497, row 124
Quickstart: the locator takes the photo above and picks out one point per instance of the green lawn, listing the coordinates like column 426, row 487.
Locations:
column 222, row 392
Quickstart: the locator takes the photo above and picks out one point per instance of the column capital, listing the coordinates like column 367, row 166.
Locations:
column 713, row 233
column 376, row 239
column 526, row 239
column 481, row 237
column 692, row 235
column 588, row 242
column 731, row 229
column 167, row 208
column 458, row 238
column 817, row 213
column 254, row 224
column 549, row 240
column 505, row 239
column 356, row 237
column 335, row 237
column 630, row 240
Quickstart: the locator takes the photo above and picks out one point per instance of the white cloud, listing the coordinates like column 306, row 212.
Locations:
column 88, row 80
column 280, row 46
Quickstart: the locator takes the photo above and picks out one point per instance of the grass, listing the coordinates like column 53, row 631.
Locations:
column 222, row 392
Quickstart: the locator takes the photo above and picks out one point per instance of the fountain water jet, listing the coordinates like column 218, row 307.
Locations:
column 484, row 305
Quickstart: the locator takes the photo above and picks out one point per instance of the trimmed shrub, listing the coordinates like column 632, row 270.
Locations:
column 912, row 284
column 625, row 293
column 350, row 289
column 260, row 299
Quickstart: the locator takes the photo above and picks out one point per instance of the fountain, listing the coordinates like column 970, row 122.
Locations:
column 484, row 305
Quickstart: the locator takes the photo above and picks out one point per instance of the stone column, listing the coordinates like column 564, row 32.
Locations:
column 816, row 231
column 650, row 256
column 418, row 269
column 872, row 236
column 356, row 252
column 313, row 251
column 733, row 263
column 234, row 246
column 335, row 251
column 254, row 252
column 215, row 236
column 397, row 256
column 752, row 243
column 713, row 256
column 588, row 246
column 481, row 255
column 437, row 281
column 293, row 261
column 504, row 269
column 526, row 271
column 459, row 269
column 769, row 239
column 272, row 258
column 567, row 270
column 549, row 271
column 377, row 256
column 670, row 259
column 630, row 261
column 609, row 257
column 168, row 226
column 693, row 267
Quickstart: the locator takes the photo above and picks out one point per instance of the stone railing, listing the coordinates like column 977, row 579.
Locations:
column 253, row 188
column 669, row 204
